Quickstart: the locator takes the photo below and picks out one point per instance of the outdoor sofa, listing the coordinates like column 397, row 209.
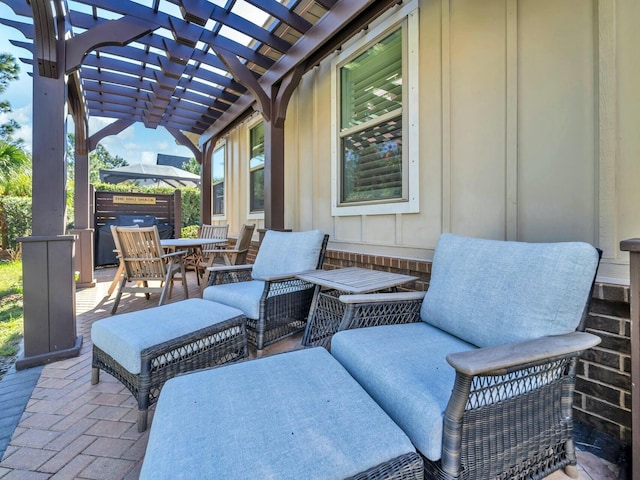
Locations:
column 478, row 376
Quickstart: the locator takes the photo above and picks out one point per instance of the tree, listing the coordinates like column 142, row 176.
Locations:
column 99, row 159
column 15, row 162
column 191, row 166
column 9, row 71
column 15, row 169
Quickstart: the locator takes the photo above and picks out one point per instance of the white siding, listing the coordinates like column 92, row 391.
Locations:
column 526, row 133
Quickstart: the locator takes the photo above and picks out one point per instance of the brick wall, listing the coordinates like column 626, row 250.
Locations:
column 603, row 384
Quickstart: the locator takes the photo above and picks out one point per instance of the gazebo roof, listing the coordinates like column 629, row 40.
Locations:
column 191, row 66
column 151, row 174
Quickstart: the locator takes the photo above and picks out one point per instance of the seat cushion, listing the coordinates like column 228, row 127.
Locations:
column 293, row 415
column 490, row 292
column 287, row 252
column 403, row 368
column 125, row 336
column 242, row 295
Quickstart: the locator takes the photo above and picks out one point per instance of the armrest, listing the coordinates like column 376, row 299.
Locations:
column 230, row 268
column 174, row 254
column 382, row 297
column 279, row 278
column 497, row 360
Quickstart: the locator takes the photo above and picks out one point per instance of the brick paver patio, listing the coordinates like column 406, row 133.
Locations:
column 72, row 429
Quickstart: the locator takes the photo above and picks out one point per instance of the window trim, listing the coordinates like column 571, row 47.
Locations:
column 406, row 18
column 252, row 214
column 220, row 145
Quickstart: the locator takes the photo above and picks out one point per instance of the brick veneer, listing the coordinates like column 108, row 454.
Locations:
column 603, row 385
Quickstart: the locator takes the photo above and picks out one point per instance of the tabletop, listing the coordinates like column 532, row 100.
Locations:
column 355, row 279
column 189, row 242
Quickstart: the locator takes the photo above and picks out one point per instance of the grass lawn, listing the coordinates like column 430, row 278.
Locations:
column 11, row 323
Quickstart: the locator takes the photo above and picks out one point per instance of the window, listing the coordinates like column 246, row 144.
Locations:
column 256, row 168
column 218, row 174
column 375, row 119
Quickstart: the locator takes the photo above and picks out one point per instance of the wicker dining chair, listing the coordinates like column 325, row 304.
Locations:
column 143, row 261
column 275, row 302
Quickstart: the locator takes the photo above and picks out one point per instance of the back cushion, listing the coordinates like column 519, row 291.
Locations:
column 490, row 292
column 287, row 252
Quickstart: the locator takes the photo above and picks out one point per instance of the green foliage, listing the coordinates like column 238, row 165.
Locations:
column 15, row 219
column 11, row 311
column 15, row 169
column 9, row 71
column 190, row 231
column 190, row 206
column 191, row 166
column 99, row 159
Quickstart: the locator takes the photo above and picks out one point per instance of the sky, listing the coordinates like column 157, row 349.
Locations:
column 136, row 144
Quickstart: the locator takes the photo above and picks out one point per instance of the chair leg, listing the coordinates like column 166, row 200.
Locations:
column 116, row 278
column 183, row 272
column 118, row 295
column 95, row 375
column 572, row 471
column 142, row 420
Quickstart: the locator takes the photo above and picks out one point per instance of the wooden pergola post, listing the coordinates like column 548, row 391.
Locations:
column 47, row 255
column 633, row 247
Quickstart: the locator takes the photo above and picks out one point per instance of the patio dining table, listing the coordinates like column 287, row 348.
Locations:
column 327, row 310
column 193, row 247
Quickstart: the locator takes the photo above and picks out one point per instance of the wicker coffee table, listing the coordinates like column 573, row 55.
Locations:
column 327, row 310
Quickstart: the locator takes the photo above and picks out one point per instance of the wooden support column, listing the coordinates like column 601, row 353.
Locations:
column 274, row 172
column 83, row 258
column 47, row 255
column 633, row 247
column 272, row 103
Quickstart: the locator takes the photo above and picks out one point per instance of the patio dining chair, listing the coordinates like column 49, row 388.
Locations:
column 275, row 302
column 143, row 261
column 205, row 254
column 235, row 254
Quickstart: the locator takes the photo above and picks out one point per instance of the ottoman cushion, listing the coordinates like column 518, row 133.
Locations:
column 125, row 336
column 293, row 415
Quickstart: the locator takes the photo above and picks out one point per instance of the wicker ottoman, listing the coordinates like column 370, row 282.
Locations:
column 292, row 415
column 144, row 349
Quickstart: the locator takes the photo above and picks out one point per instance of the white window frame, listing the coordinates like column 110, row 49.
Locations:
column 257, row 215
column 407, row 18
column 219, row 145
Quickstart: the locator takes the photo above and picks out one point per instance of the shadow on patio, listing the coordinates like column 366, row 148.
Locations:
column 71, row 429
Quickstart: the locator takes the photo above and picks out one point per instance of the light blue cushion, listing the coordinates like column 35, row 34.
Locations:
column 403, row 368
column 242, row 295
column 294, row 415
column 491, row 292
column 124, row 336
column 287, row 252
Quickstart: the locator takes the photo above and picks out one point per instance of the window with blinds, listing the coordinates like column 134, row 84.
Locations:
column 218, row 174
column 370, row 123
column 256, row 168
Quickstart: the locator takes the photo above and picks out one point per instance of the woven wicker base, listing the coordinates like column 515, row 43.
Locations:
column 221, row 343
column 405, row 467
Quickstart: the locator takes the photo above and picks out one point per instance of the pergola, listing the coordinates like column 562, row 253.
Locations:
column 194, row 67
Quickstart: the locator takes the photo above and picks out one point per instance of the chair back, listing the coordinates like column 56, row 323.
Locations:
column 282, row 253
column 218, row 232
column 490, row 292
column 141, row 252
column 243, row 242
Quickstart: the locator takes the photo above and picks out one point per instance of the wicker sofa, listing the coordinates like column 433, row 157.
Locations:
column 507, row 316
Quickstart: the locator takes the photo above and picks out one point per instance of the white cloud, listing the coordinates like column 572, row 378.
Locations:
column 148, row 158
